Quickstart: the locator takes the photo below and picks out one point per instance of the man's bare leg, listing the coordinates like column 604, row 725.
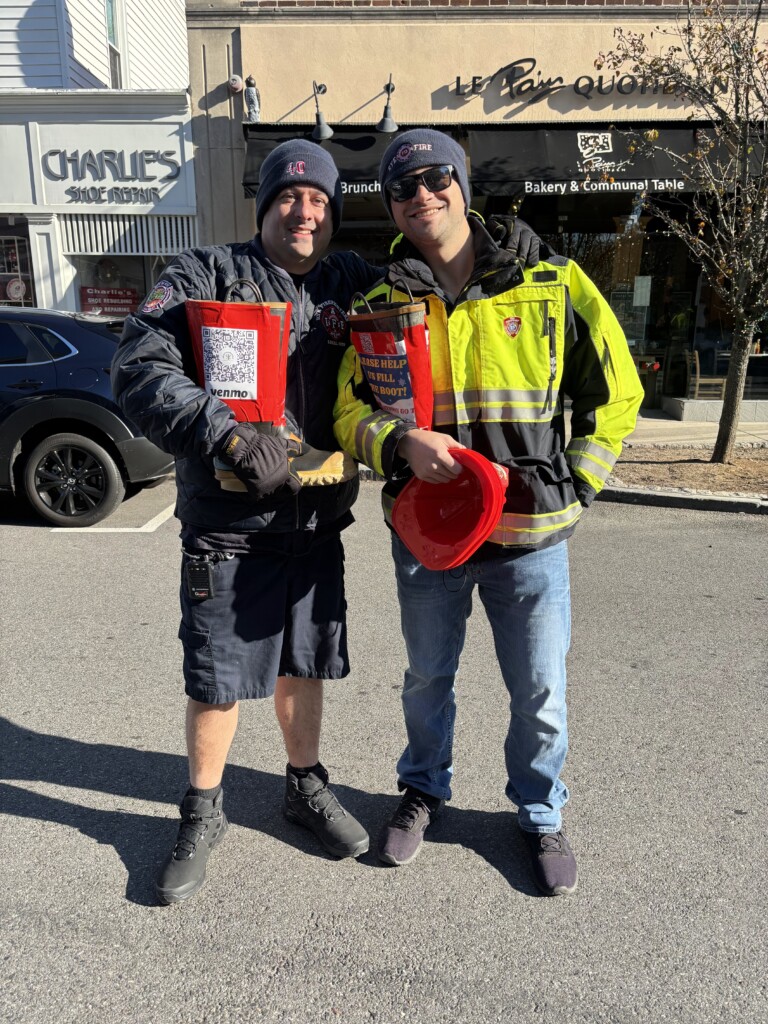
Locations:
column 210, row 731
column 308, row 800
column 299, row 710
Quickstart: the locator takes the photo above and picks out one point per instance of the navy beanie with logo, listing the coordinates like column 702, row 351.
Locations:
column 298, row 162
column 422, row 147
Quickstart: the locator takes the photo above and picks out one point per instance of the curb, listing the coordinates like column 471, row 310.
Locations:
column 677, row 499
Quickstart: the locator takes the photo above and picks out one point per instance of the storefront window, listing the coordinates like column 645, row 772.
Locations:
column 115, row 68
column 677, row 332
column 15, row 274
column 110, row 284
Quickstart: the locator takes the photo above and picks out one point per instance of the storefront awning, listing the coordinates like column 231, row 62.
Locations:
column 566, row 161
column 503, row 161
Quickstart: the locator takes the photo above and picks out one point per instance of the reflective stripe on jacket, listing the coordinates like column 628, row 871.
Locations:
column 503, row 359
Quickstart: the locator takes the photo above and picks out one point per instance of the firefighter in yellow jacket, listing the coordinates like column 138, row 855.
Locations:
column 507, row 345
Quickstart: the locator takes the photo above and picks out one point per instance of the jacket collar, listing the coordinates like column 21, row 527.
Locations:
column 408, row 265
column 258, row 253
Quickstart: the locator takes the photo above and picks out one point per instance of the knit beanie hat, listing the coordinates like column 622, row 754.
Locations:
column 298, row 162
column 422, row 147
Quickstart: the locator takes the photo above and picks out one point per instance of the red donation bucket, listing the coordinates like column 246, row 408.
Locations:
column 241, row 353
column 392, row 343
column 444, row 524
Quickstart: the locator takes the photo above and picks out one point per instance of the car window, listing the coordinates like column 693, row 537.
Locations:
column 18, row 345
column 55, row 345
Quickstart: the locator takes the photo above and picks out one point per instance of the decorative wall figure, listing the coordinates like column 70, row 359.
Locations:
column 252, row 100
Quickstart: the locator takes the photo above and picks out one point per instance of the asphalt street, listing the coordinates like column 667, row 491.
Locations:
column 667, row 771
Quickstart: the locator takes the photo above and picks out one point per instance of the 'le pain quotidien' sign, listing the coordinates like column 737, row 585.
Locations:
column 521, row 82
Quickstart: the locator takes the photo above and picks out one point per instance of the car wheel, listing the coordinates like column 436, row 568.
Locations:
column 71, row 481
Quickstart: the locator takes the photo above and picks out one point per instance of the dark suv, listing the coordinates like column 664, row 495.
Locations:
column 64, row 443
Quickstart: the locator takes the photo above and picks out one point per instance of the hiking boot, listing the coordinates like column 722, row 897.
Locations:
column 203, row 825
column 309, row 802
column 553, row 862
column 310, row 466
column 400, row 839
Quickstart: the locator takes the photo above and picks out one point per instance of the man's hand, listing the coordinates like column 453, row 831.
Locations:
column 258, row 460
column 426, row 452
column 519, row 238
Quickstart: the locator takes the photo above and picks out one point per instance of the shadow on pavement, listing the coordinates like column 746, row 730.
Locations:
column 253, row 800
column 17, row 512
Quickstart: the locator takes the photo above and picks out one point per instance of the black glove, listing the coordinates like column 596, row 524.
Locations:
column 519, row 238
column 259, row 460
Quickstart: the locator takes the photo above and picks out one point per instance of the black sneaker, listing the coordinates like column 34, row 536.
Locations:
column 400, row 839
column 553, row 863
column 309, row 802
column 203, row 825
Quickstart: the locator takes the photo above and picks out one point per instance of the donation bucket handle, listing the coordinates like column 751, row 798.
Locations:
column 398, row 283
column 359, row 297
column 244, row 281
column 403, row 286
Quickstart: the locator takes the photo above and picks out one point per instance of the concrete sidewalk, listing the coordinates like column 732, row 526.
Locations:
column 655, row 427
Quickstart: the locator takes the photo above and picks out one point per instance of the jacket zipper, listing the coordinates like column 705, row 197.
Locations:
column 302, row 389
column 552, row 361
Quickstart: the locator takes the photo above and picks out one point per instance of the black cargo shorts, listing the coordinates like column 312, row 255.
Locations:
column 276, row 611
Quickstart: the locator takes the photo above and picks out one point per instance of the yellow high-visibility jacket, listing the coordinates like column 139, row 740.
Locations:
column 504, row 356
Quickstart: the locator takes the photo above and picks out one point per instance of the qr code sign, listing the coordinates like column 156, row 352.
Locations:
column 229, row 360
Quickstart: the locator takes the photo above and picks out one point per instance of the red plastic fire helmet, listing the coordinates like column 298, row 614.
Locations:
column 444, row 524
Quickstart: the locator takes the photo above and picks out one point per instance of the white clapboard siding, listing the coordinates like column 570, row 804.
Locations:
column 54, row 44
column 87, row 44
column 157, row 44
column 30, row 45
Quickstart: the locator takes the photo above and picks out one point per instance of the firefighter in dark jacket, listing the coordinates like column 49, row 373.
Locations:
column 270, row 619
column 505, row 344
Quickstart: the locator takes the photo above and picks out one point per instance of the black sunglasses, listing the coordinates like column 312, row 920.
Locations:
column 434, row 179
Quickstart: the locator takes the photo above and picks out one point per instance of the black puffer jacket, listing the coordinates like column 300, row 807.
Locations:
column 153, row 378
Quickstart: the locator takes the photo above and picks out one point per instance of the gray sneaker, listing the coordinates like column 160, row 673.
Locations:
column 400, row 839
column 310, row 802
column 553, row 863
column 203, row 826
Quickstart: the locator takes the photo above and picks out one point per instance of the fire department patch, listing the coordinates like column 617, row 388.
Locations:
column 512, row 326
column 404, row 152
column 158, row 297
column 333, row 319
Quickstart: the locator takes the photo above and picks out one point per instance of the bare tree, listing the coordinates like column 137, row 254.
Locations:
column 715, row 60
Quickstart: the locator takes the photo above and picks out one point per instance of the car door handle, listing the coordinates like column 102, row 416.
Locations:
column 28, row 384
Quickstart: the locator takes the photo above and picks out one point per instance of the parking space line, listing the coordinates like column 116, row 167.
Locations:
column 149, row 527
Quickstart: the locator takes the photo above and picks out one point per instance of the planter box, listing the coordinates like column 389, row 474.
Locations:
column 709, row 411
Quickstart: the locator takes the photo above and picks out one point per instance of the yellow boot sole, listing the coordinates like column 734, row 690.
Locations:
column 315, row 469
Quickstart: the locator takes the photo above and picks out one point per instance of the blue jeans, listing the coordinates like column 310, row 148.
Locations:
column 528, row 604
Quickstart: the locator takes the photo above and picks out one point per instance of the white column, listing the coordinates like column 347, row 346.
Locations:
column 52, row 272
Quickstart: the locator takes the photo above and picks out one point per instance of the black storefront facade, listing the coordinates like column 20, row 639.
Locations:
column 582, row 190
